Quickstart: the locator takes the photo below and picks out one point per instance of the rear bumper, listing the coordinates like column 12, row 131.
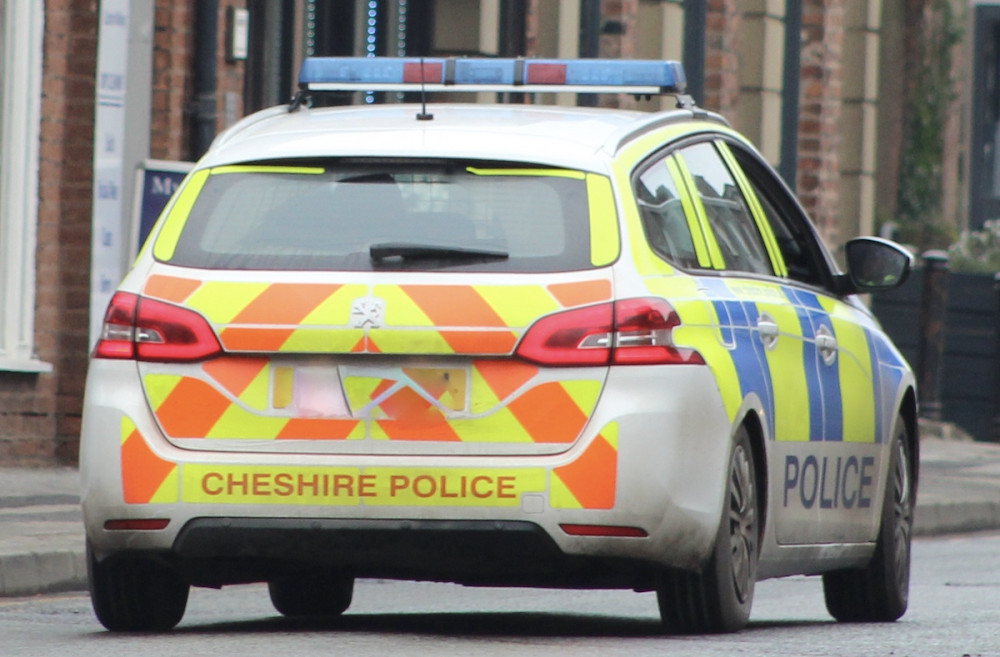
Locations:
column 216, row 551
column 652, row 457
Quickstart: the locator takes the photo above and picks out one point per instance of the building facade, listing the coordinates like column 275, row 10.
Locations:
column 92, row 91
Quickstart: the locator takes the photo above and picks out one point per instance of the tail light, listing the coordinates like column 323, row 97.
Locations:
column 627, row 332
column 138, row 328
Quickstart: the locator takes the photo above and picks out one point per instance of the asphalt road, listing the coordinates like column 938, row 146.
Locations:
column 955, row 586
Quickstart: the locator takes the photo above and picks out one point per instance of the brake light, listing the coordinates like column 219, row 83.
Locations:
column 574, row 337
column 119, row 328
column 139, row 328
column 627, row 332
column 643, row 330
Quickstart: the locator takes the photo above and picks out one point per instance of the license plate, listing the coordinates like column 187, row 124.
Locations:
column 317, row 391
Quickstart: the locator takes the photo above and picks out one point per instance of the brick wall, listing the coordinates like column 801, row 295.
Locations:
column 820, row 112
column 172, row 47
column 532, row 28
column 618, row 41
column 173, row 77
column 40, row 413
column 230, row 74
column 722, row 60
column 618, row 31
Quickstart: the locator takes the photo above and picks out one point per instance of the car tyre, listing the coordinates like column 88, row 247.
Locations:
column 324, row 595
column 136, row 594
column 718, row 599
column 879, row 592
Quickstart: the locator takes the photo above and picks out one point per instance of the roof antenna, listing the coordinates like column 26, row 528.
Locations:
column 423, row 115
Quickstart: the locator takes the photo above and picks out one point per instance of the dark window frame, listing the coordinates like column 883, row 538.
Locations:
column 771, row 190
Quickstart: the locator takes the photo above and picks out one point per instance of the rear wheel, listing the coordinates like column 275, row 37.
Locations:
column 322, row 595
column 719, row 598
column 879, row 592
column 136, row 594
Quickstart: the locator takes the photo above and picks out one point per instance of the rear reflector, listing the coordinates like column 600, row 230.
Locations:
column 139, row 328
column 137, row 524
column 604, row 530
column 626, row 332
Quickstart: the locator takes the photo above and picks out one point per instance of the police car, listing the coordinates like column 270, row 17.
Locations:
column 495, row 344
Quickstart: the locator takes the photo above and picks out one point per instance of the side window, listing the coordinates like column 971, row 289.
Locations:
column 729, row 216
column 663, row 216
column 796, row 240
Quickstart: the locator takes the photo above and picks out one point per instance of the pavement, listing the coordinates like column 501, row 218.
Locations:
column 42, row 541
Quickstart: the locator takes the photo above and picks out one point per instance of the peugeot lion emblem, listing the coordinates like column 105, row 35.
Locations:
column 367, row 312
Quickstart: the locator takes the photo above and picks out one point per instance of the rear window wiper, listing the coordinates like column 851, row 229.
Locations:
column 415, row 251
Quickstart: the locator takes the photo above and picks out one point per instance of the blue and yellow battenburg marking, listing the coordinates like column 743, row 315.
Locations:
column 826, row 408
column 806, row 395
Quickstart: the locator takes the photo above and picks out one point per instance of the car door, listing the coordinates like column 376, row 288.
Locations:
column 825, row 471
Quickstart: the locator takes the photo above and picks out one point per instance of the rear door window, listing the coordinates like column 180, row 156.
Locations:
column 732, row 225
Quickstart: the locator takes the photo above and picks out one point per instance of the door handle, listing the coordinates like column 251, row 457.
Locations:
column 768, row 330
column 827, row 345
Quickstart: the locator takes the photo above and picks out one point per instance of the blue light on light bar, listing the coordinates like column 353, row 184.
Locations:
column 492, row 74
column 371, row 70
column 485, row 71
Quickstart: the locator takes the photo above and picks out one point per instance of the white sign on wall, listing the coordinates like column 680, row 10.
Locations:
column 109, row 141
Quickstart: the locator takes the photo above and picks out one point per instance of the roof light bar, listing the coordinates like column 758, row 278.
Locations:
column 645, row 77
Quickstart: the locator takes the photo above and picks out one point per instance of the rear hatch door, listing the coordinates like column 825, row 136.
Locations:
column 375, row 307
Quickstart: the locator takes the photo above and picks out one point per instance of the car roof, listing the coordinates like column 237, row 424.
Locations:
column 574, row 137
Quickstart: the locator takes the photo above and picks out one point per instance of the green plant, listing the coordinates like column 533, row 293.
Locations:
column 978, row 250
column 921, row 183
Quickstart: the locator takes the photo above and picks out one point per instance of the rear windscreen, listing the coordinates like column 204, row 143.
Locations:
column 377, row 215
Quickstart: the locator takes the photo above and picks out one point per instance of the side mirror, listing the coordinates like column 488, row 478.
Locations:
column 876, row 265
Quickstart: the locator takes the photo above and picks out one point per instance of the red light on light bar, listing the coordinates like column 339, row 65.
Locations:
column 416, row 72
column 546, row 74
column 137, row 524
column 604, row 530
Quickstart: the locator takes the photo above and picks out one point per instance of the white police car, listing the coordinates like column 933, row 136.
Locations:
column 495, row 345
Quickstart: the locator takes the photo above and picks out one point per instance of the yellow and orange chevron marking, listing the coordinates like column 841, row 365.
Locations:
column 171, row 288
column 419, row 319
column 255, row 397
column 244, row 378
column 146, row 477
column 482, row 401
column 187, row 407
column 589, row 482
